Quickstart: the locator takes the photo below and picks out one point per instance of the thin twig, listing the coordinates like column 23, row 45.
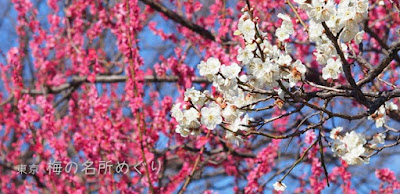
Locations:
column 189, row 178
column 297, row 14
column 298, row 161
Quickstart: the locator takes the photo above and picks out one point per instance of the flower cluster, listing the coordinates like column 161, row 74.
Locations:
column 286, row 28
column 343, row 17
column 201, row 109
column 263, row 65
column 342, row 20
column 349, row 147
column 380, row 115
column 265, row 62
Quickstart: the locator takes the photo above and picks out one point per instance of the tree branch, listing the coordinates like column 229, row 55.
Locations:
column 196, row 163
column 360, row 97
column 77, row 80
column 392, row 53
column 177, row 18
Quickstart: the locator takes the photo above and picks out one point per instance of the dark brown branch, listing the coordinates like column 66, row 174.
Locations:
column 392, row 53
column 329, row 113
column 359, row 96
column 177, row 18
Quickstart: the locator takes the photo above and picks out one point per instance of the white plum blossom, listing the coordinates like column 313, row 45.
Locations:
column 284, row 60
column 269, row 50
column 297, row 73
column 188, row 120
column 245, row 55
column 321, row 11
column 233, row 138
column 177, row 113
column 380, row 115
column 315, row 32
column 242, row 19
column 241, row 99
column 352, row 157
column 362, row 6
column 251, row 46
column 240, row 124
column 350, row 147
column 265, row 73
column 338, row 148
column 355, row 148
column 255, row 66
column 274, row 65
column 378, row 138
column 230, row 113
column 211, row 116
column 195, row 96
column 191, row 118
column 209, row 68
column 284, row 17
column 324, row 52
column 348, row 34
column 288, row 48
column 278, row 186
column 335, row 24
column 353, row 139
column 300, row 1
column 248, row 30
column 335, row 133
column 229, row 87
column 269, row 74
column 344, row 17
column 281, row 34
column 230, row 72
column 182, row 131
column 391, row 106
column 286, row 28
column 332, row 69
column 346, row 12
column 243, row 78
column 351, row 13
